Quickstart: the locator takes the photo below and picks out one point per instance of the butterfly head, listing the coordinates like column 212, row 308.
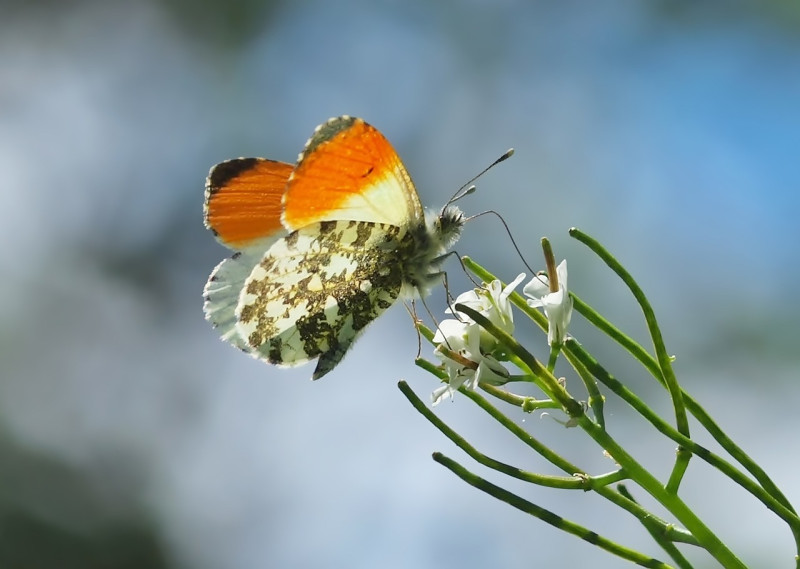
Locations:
column 446, row 226
column 431, row 242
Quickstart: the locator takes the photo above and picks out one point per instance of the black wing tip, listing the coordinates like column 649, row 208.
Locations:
column 326, row 131
column 224, row 172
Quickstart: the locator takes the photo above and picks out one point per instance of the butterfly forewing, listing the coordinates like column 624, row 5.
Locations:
column 317, row 289
column 349, row 171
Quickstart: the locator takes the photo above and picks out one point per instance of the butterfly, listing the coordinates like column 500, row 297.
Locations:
column 323, row 247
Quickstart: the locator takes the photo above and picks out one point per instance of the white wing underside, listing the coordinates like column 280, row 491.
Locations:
column 224, row 287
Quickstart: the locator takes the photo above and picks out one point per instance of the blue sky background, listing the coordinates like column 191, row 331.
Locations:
column 669, row 130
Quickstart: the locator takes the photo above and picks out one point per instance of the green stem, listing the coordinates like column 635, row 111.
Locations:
column 654, row 530
column 595, row 483
column 664, row 360
column 682, row 457
column 573, row 347
column 768, row 493
column 562, row 482
column 596, row 399
column 527, row 404
column 671, row 502
column 774, row 499
column 551, row 362
column 548, row 516
column 699, row 413
column 575, row 411
column 662, row 370
column 431, row 368
column 598, row 484
column 638, row 352
column 426, row 332
column 532, row 442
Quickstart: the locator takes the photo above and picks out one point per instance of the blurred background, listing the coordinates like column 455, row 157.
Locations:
column 130, row 436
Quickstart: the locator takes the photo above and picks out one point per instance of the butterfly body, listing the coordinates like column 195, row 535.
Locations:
column 349, row 238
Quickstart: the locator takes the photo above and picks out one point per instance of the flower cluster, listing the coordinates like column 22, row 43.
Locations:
column 470, row 355
column 465, row 348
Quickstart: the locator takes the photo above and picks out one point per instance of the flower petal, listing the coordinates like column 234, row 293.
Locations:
column 537, row 288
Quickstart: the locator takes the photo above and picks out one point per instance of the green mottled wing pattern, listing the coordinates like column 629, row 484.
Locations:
column 316, row 289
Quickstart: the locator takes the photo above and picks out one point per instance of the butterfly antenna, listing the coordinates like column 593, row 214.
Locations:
column 508, row 231
column 461, row 192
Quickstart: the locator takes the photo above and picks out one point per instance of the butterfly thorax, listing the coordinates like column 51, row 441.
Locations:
column 426, row 247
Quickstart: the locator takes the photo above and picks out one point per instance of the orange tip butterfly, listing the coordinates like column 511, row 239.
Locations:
column 322, row 247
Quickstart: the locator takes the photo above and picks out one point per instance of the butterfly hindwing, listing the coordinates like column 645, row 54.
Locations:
column 222, row 292
column 316, row 289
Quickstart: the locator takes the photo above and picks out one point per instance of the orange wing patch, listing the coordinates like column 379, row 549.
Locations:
column 244, row 200
column 349, row 171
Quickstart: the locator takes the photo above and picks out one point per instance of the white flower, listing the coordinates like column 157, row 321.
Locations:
column 557, row 305
column 491, row 302
column 462, row 336
column 471, row 342
column 488, row 370
column 457, row 375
